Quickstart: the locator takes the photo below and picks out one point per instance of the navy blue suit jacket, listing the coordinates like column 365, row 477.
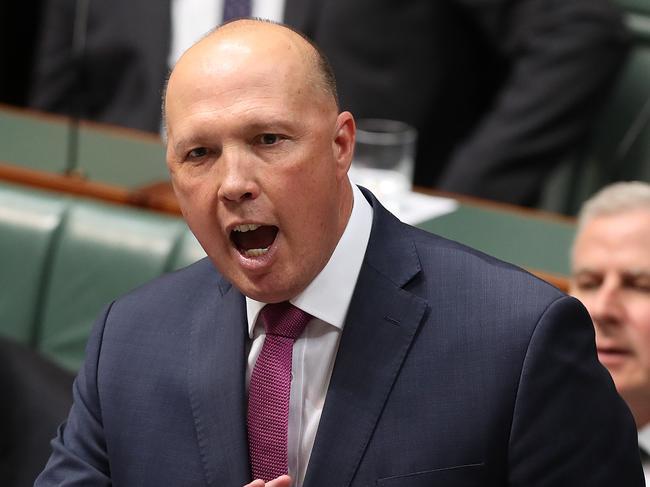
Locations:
column 454, row 369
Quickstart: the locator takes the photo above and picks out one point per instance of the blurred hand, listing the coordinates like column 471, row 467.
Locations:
column 282, row 481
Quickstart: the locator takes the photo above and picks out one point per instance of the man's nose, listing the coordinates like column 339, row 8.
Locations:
column 606, row 307
column 237, row 176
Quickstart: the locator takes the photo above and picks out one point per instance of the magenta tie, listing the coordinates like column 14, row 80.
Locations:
column 270, row 386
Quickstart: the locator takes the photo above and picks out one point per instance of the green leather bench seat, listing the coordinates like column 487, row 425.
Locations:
column 63, row 259
column 29, row 223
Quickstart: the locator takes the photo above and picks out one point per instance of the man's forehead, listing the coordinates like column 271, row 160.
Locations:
column 237, row 59
column 231, row 59
column 257, row 97
column 239, row 41
column 632, row 223
column 615, row 240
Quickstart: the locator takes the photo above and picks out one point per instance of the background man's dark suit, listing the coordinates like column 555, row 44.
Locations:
column 36, row 397
column 499, row 91
column 453, row 369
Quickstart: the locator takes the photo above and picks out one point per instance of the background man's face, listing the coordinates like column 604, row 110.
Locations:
column 252, row 143
column 611, row 276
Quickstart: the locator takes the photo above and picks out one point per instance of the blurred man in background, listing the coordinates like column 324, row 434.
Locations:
column 36, row 397
column 500, row 92
column 611, row 276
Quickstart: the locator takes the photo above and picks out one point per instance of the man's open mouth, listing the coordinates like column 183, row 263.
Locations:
column 252, row 240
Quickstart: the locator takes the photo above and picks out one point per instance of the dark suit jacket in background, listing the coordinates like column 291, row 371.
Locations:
column 454, row 369
column 36, row 397
column 500, row 91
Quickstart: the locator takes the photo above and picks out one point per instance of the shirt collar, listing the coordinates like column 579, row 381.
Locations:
column 644, row 438
column 328, row 296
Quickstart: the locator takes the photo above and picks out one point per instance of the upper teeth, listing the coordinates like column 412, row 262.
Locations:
column 246, row 227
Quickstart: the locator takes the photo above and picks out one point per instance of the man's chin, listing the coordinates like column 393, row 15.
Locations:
column 265, row 295
column 614, row 359
column 266, row 288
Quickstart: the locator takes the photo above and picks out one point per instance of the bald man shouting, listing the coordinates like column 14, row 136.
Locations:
column 323, row 342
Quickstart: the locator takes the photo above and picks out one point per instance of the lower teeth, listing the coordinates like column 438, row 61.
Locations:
column 255, row 252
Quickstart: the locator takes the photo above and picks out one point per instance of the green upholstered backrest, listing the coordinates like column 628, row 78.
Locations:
column 18, row 133
column 114, row 158
column 111, row 155
column 29, row 222
column 103, row 251
column 631, row 6
column 62, row 259
column 621, row 143
column 189, row 251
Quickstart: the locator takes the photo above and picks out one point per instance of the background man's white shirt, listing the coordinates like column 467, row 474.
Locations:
column 644, row 443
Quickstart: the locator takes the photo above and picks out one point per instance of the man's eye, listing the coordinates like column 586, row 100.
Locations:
column 638, row 284
column 269, row 139
column 587, row 282
column 197, row 153
column 587, row 285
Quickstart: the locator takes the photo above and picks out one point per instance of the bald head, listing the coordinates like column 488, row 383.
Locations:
column 243, row 39
column 319, row 67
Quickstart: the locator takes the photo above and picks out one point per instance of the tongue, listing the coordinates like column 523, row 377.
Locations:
column 261, row 238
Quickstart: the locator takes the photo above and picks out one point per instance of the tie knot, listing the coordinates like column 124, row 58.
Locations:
column 284, row 319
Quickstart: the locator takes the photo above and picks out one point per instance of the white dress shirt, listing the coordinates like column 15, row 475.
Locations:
column 644, row 442
column 192, row 19
column 327, row 299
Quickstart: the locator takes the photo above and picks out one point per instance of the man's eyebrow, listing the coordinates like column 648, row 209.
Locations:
column 182, row 144
column 275, row 123
column 578, row 271
column 637, row 273
column 256, row 124
column 200, row 136
column 627, row 273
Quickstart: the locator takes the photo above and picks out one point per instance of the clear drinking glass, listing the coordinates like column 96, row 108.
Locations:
column 384, row 157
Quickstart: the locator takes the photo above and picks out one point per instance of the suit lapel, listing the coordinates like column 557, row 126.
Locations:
column 217, row 386
column 382, row 321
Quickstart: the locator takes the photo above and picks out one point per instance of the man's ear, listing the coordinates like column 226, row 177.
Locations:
column 343, row 143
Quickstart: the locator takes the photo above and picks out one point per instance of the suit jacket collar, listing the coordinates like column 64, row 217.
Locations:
column 380, row 327
column 216, row 378
column 391, row 250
